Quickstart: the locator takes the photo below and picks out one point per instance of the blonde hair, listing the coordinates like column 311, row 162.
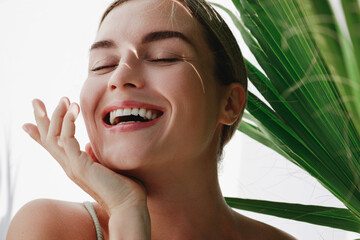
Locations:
column 229, row 62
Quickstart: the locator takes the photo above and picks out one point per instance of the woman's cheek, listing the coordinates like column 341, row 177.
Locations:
column 91, row 93
column 183, row 78
column 90, row 97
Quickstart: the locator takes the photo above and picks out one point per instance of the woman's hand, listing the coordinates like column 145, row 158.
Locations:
column 117, row 194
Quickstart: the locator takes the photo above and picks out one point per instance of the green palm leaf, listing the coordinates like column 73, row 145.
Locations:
column 312, row 111
column 324, row 216
column 352, row 55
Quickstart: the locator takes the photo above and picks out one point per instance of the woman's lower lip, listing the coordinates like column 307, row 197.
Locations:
column 127, row 127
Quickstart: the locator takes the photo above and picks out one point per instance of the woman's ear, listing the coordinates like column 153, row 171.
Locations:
column 232, row 104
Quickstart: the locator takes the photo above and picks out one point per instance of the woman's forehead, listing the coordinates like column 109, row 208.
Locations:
column 140, row 16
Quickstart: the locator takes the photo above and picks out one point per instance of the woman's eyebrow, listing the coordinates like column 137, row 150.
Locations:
column 150, row 37
column 161, row 35
column 103, row 44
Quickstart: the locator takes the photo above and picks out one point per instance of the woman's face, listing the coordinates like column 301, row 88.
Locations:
column 150, row 58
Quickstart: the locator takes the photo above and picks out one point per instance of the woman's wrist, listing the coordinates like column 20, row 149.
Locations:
column 130, row 223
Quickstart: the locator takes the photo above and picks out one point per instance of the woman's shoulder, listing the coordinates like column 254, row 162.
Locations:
column 253, row 229
column 52, row 219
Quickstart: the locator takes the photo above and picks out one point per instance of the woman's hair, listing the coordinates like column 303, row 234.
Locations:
column 229, row 62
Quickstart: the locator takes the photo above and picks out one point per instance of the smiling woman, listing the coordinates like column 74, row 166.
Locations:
column 162, row 97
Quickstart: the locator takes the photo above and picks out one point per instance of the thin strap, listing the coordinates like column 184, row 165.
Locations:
column 90, row 208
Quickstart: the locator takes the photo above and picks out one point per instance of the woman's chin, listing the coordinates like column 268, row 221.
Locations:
column 125, row 162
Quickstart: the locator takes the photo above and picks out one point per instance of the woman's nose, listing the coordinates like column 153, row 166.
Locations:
column 127, row 74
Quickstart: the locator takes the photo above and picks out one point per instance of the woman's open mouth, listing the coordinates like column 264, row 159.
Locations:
column 131, row 115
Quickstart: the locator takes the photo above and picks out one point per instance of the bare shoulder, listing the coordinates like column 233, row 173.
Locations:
column 52, row 219
column 253, row 229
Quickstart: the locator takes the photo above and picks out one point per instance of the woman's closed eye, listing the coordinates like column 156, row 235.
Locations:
column 156, row 60
column 103, row 67
column 165, row 60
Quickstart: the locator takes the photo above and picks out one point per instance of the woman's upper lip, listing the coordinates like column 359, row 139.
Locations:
column 129, row 104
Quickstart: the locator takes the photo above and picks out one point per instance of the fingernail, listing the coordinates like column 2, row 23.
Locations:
column 74, row 110
column 40, row 112
column 25, row 128
column 38, row 109
column 64, row 99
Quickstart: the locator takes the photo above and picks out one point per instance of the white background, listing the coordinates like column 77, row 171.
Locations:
column 43, row 54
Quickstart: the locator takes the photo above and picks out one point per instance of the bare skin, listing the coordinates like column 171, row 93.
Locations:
column 67, row 220
column 154, row 182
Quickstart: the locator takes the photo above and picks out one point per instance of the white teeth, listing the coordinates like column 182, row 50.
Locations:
column 119, row 112
column 115, row 114
column 147, row 114
column 142, row 112
column 111, row 118
column 127, row 112
column 129, row 122
column 135, row 111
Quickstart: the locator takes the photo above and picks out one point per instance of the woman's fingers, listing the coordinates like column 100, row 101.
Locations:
column 57, row 118
column 42, row 121
column 58, row 138
column 33, row 131
column 53, row 134
column 67, row 137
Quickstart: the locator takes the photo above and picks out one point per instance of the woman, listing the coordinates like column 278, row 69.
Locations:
column 163, row 95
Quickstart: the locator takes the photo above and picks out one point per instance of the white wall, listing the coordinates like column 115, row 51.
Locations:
column 43, row 54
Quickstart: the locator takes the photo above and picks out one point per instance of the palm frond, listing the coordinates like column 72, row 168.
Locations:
column 340, row 218
column 311, row 86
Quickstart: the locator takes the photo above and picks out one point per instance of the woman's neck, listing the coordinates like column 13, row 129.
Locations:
column 185, row 202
